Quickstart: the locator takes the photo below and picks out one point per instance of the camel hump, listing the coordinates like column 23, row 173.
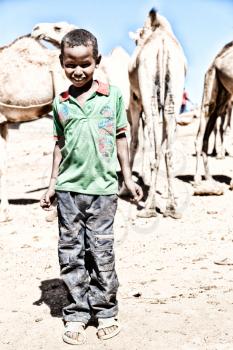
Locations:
column 120, row 52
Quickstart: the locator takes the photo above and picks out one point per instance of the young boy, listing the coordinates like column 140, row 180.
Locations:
column 89, row 124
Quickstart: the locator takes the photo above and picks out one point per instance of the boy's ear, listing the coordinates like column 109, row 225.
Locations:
column 98, row 60
column 61, row 60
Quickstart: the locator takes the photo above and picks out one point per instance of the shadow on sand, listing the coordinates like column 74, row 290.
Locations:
column 55, row 295
column 219, row 178
column 139, row 181
column 23, row 201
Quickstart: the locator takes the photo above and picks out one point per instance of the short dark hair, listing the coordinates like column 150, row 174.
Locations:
column 79, row 37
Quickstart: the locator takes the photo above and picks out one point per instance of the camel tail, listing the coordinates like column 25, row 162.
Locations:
column 210, row 91
column 162, row 64
column 4, row 130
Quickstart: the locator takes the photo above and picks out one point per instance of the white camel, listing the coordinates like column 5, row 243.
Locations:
column 157, row 74
column 218, row 89
column 29, row 82
column 113, row 68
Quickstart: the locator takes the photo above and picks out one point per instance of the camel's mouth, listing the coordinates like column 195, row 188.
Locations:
column 48, row 40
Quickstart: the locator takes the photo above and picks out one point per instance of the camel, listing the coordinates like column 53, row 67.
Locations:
column 33, row 62
column 217, row 92
column 157, row 73
column 29, row 82
column 112, row 69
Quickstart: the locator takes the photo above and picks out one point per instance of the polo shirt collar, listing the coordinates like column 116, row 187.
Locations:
column 103, row 89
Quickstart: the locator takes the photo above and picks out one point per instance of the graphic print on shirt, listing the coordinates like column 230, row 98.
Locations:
column 63, row 113
column 106, row 131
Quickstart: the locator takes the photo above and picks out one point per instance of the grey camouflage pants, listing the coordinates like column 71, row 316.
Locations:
column 86, row 256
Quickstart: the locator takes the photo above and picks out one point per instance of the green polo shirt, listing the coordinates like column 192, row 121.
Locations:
column 89, row 156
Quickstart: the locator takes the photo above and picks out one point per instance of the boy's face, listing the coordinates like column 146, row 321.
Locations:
column 79, row 64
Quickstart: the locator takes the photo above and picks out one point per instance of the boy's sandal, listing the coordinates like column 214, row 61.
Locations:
column 74, row 328
column 108, row 323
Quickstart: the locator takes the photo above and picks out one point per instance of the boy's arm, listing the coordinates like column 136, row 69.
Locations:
column 49, row 196
column 123, row 157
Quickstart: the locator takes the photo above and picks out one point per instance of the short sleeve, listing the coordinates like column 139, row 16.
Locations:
column 57, row 126
column 121, row 117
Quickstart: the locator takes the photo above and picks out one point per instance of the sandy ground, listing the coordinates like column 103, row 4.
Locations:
column 173, row 293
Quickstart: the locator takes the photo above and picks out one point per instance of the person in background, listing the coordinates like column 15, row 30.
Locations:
column 185, row 98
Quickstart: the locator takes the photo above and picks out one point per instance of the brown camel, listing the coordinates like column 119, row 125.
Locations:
column 157, row 73
column 221, row 133
column 29, row 81
column 218, row 89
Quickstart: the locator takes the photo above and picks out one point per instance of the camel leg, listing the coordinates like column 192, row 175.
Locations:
column 133, row 118
column 153, row 127
column 135, row 113
column 168, row 136
column 150, row 205
column 171, row 203
column 198, row 146
column 225, row 138
column 222, row 136
column 154, row 158
column 209, row 128
column 171, row 209
column 208, row 101
column 221, row 103
column 202, row 143
column 221, row 130
column 144, row 151
column 218, row 139
column 4, row 207
column 226, row 130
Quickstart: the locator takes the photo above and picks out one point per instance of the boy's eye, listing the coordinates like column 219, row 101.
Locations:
column 85, row 65
column 73, row 66
column 70, row 65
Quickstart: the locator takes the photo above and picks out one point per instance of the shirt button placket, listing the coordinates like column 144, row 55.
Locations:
column 88, row 109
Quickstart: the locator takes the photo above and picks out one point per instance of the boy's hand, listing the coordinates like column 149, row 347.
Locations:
column 47, row 199
column 135, row 189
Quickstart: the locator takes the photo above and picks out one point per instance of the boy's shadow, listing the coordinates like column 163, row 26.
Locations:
column 54, row 294
column 139, row 181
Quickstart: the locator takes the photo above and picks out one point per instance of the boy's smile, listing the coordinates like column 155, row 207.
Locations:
column 79, row 64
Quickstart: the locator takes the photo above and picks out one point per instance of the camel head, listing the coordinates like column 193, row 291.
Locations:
column 153, row 21
column 52, row 32
column 135, row 36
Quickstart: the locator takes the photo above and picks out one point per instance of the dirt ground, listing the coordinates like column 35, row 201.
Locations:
column 176, row 276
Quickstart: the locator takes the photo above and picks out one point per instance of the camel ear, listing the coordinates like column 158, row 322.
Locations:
column 133, row 36
column 153, row 17
column 98, row 60
column 61, row 59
